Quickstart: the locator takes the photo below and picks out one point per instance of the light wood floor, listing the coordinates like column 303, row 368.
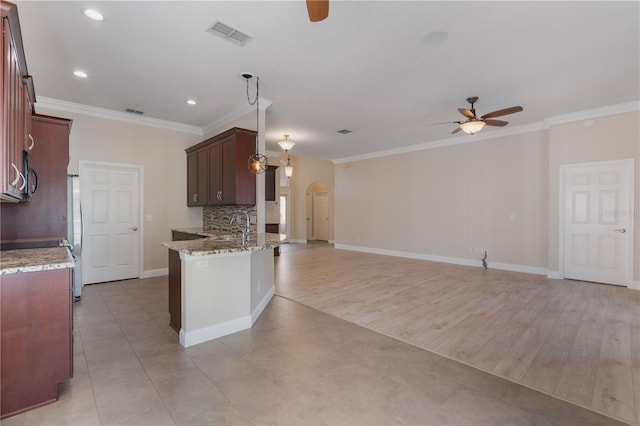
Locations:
column 574, row 340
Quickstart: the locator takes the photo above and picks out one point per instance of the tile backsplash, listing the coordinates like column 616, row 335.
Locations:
column 216, row 218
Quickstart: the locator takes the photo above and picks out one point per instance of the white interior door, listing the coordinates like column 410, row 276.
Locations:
column 321, row 216
column 309, row 224
column 110, row 197
column 598, row 234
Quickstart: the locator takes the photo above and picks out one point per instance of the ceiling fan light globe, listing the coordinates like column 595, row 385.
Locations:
column 472, row 127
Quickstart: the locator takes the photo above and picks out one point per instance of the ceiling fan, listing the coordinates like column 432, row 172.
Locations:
column 473, row 124
column 318, row 9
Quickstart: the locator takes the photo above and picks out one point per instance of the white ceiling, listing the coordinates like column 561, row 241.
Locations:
column 366, row 68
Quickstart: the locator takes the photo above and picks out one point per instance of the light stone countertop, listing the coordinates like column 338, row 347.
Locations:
column 213, row 245
column 35, row 259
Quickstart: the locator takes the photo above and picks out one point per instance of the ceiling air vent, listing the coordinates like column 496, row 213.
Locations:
column 134, row 111
column 344, row 131
column 228, row 32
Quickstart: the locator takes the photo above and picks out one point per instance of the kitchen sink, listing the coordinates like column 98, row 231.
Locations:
column 224, row 238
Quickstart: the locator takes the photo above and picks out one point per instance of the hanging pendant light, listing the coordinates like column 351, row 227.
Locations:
column 257, row 162
column 286, row 144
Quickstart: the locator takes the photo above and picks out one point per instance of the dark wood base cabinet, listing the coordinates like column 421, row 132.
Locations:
column 37, row 341
column 273, row 228
column 175, row 290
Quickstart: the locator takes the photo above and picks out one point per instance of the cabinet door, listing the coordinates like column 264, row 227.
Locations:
column 215, row 174
column 203, row 177
column 229, row 168
column 11, row 173
column 270, row 183
column 36, row 338
column 192, row 179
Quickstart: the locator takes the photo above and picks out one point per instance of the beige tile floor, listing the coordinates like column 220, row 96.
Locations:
column 296, row 366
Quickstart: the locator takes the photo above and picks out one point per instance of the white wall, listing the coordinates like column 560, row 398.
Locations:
column 499, row 194
column 453, row 201
column 160, row 152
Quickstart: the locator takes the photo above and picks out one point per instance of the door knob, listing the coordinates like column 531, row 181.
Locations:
column 621, row 230
column 133, row 228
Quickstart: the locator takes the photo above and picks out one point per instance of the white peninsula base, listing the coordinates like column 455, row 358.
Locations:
column 223, row 293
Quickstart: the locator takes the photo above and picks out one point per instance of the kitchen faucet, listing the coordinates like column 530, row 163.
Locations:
column 245, row 233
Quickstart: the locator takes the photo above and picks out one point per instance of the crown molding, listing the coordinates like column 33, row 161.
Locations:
column 446, row 142
column 550, row 121
column 236, row 114
column 593, row 113
column 75, row 108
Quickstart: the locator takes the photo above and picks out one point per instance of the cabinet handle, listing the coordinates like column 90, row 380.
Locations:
column 34, row 188
column 17, row 179
column 219, row 195
column 195, row 198
column 30, row 147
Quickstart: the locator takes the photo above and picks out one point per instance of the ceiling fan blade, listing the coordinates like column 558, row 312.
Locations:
column 444, row 122
column 318, row 9
column 497, row 123
column 502, row 112
column 467, row 112
column 456, row 130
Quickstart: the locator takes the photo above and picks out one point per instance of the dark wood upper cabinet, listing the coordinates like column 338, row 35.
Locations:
column 217, row 171
column 18, row 97
column 45, row 216
column 270, row 178
column 192, row 179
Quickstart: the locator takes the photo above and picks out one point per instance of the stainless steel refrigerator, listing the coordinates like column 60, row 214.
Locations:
column 74, row 231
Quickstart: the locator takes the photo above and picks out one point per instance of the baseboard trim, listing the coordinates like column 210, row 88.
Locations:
column 298, row 241
column 635, row 285
column 445, row 259
column 554, row 275
column 255, row 314
column 214, row 331
column 150, row 273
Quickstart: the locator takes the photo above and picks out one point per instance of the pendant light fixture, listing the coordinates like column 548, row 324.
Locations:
column 286, row 144
column 257, row 163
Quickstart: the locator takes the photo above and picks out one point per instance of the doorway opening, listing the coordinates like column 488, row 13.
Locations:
column 317, row 215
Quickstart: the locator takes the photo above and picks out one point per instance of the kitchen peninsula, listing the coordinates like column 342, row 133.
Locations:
column 217, row 284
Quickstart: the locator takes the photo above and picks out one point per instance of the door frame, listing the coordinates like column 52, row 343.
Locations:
column 83, row 166
column 629, row 163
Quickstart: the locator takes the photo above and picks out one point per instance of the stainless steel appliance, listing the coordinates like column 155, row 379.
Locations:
column 74, row 231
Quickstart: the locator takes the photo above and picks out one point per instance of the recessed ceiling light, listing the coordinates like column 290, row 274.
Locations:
column 191, row 102
column 93, row 14
column 80, row 74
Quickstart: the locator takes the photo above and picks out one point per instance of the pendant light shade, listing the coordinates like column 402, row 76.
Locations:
column 286, row 144
column 257, row 163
